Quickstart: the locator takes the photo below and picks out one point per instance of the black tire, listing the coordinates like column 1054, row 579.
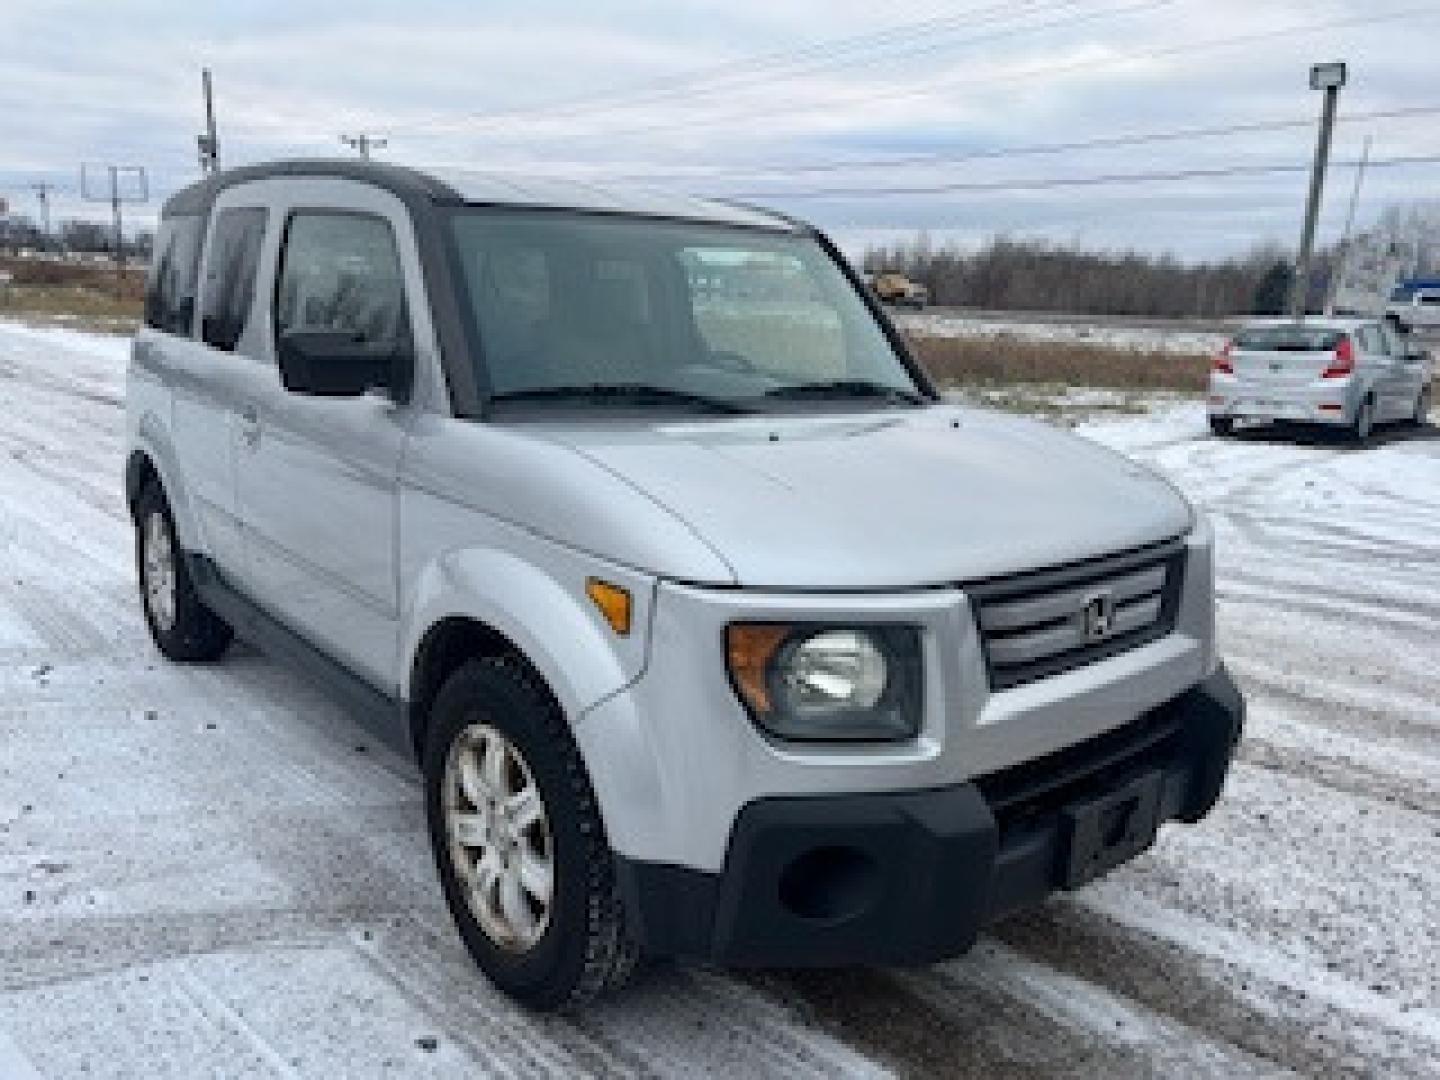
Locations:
column 194, row 634
column 584, row 950
column 1422, row 407
column 1222, row 425
column 1363, row 426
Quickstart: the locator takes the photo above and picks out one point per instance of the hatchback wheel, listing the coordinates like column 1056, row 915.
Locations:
column 1423, row 402
column 1364, row 423
column 182, row 627
column 1222, row 425
column 527, row 871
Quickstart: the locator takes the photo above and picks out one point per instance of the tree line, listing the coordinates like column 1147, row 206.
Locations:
column 19, row 232
column 1009, row 274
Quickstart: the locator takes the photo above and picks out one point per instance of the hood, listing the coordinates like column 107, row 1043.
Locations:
column 890, row 500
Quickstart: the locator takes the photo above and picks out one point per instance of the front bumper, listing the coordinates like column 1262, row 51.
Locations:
column 911, row 877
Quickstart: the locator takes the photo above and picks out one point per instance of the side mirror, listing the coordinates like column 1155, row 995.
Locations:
column 337, row 363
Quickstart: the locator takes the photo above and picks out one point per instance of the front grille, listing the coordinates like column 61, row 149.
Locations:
column 1032, row 792
column 1036, row 625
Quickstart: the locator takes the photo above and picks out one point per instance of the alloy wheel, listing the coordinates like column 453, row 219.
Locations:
column 499, row 837
column 158, row 565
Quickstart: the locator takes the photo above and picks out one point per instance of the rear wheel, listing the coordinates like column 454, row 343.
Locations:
column 1364, row 423
column 1222, row 425
column 182, row 627
column 1423, row 401
column 527, row 871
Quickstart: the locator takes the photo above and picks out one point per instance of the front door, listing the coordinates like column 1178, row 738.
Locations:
column 317, row 477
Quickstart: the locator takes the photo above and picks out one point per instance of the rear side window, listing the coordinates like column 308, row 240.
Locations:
column 341, row 272
column 1287, row 339
column 170, row 288
column 230, row 266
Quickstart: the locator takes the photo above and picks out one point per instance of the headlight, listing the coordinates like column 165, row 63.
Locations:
column 828, row 683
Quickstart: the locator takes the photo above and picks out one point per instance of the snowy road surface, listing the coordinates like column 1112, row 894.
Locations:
column 209, row 872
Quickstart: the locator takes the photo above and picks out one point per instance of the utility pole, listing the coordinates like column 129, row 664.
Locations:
column 1329, row 78
column 42, row 192
column 1349, row 225
column 125, row 184
column 209, row 143
column 363, row 143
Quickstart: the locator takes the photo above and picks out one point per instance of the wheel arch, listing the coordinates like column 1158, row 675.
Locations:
column 140, row 472
column 488, row 602
column 152, row 460
column 445, row 647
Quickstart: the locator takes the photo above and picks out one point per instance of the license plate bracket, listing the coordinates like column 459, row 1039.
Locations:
column 1110, row 829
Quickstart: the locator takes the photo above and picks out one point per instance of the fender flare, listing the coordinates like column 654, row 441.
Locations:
column 151, row 447
column 557, row 633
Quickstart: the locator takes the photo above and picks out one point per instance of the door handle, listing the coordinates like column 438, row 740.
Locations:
column 250, row 426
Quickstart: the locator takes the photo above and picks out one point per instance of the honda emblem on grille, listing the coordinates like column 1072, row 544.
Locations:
column 1099, row 616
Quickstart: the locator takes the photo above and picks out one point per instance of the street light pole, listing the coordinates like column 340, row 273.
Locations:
column 1329, row 78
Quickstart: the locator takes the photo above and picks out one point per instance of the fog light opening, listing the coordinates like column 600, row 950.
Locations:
column 830, row 884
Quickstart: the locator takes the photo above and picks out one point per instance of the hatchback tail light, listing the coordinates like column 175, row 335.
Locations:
column 1221, row 364
column 1343, row 365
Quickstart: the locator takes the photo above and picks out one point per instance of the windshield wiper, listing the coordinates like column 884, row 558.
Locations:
column 624, row 394
column 848, row 388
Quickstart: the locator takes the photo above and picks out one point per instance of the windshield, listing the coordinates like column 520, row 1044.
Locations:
column 585, row 310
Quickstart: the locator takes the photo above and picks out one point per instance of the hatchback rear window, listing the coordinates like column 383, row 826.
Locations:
column 1287, row 339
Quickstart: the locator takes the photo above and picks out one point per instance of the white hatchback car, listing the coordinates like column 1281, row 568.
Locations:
column 1346, row 373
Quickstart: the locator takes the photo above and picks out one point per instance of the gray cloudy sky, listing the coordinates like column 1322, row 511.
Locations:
column 790, row 85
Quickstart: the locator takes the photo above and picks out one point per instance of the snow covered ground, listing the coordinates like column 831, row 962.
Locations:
column 210, row 872
column 946, row 322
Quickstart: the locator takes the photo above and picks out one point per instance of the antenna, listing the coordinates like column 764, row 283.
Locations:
column 363, row 142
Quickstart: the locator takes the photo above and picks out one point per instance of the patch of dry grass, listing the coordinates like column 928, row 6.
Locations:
column 1007, row 361
column 87, row 296
column 76, row 306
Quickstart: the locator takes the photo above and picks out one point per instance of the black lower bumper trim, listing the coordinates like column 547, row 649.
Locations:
column 912, row 877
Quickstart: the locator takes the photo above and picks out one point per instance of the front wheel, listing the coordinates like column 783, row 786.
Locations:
column 182, row 627
column 519, row 844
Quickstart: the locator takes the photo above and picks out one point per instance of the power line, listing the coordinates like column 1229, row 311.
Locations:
column 1191, row 49
column 720, row 78
column 1033, row 149
column 1076, row 181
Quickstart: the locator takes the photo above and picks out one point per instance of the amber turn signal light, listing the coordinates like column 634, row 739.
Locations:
column 749, row 647
column 613, row 602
